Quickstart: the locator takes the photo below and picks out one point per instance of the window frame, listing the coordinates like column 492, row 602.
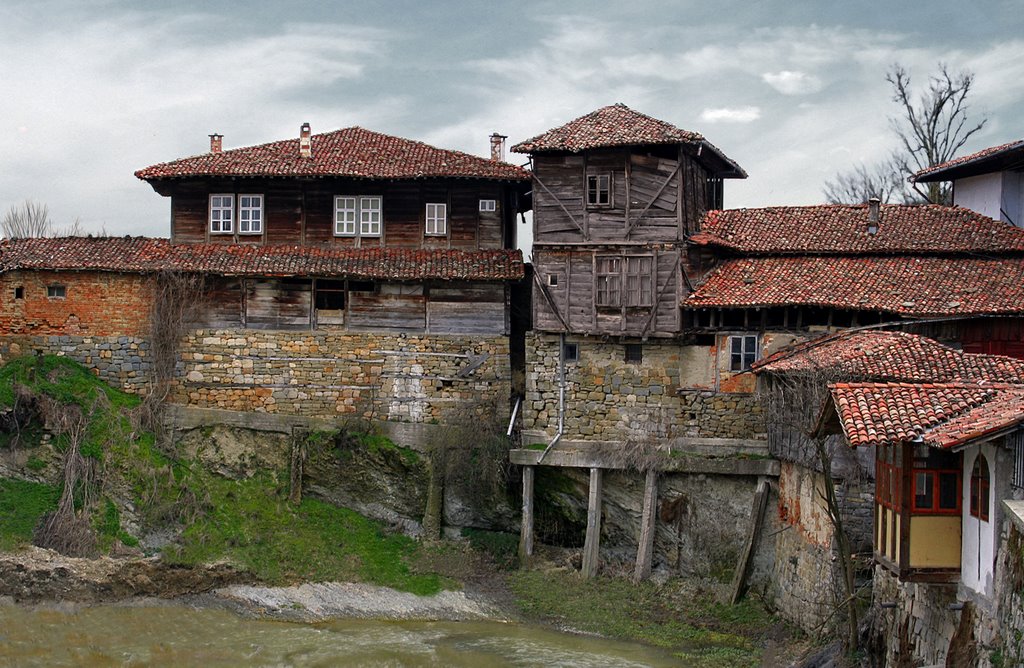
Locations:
column 935, row 475
column 57, row 291
column 608, row 275
column 254, row 230
column 371, row 216
column 594, row 190
column 980, row 489
column 220, row 222
column 364, row 218
column 633, row 353
column 439, row 218
column 488, row 205
column 743, row 353
column 570, row 352
column 352, row 225
column 634, row 276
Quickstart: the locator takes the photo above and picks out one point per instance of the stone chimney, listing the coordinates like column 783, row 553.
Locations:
column 498, row 147
column 874, row 208
column 305, row 144
column 216, row 143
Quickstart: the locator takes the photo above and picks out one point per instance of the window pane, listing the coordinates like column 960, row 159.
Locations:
column 923, row 492
column 949, row 490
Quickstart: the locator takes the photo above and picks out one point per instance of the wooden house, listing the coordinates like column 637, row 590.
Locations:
column 370, row 206
column 616, row 194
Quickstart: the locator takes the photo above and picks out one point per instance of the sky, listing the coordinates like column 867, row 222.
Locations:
column 794, row 90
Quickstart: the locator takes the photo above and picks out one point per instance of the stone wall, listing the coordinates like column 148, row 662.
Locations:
column 369, row 375
column 609, row 399
column 1010, row 588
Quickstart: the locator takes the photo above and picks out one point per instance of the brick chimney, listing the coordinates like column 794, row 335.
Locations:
column 305, row 144
column 216, row 143
column 498, row 147
column 874, row 207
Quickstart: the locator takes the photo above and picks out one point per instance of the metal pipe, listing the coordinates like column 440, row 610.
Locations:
column 561, row 398
column 515, row 412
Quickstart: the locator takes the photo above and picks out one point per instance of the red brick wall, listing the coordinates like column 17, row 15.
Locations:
column 96, row 303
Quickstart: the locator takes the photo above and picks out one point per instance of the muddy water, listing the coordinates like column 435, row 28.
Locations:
column 176, row 635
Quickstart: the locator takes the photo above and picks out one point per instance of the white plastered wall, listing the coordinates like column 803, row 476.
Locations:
column 978, row 543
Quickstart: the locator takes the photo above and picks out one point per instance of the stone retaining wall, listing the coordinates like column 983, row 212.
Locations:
column 609, row 399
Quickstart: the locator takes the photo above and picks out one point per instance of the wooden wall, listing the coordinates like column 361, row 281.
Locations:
column 658, row 195
column 571, row 302
column 448, row 308
column 302, row 212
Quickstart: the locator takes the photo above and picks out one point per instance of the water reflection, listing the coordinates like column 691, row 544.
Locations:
column 177, row 635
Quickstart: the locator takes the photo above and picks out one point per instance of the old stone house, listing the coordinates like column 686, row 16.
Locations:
column 345, row 273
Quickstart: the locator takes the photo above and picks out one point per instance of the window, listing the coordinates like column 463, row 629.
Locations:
column 639, row 281
column 742, row 352
column 222, row 214
column 553, row 280
column 347, row 210
column 570, row 352
column 980, row 489
column 56, row 291
column 599, row 190
column 488, row 205
column 19, row 292
column 250, row 214
column 1017, row 444
column 345, row 216
column 330, row 295
column 634, row 353
column 608, row 281
column 437, row 218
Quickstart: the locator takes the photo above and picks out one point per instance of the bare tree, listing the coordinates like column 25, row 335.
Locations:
column 32, row 219
column 930, row 127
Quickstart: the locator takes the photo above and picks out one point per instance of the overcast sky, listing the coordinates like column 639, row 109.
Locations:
column 793, row 90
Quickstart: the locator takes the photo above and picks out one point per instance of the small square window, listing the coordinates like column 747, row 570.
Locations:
column 742, row 352
column 19, row 292
column 56, row 291
column 599, row 190
column 553, row 280
column 488, row 205
column 570, row 352
column 634, row 353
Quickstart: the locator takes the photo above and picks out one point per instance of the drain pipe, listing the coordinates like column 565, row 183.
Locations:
column 515, row 412
column 561, row 398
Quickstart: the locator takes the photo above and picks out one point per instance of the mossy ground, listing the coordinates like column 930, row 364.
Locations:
column 22, row 504
column 689, row 623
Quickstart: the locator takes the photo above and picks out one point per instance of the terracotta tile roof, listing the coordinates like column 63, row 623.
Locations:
column 839, row 228
column 890, row 356
column 907, row 286
column 143, row 255
column 618, row 125
column 351, row 152
column 938, row 415
column 992, row 153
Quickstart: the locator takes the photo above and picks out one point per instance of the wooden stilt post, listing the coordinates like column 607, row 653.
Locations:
column 526, row 529
column 645, row 549
column 592, row 545
column 739, row 577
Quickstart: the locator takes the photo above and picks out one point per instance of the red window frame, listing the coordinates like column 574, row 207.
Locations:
column 980, row 491
column 888, row 484
column 934, row 509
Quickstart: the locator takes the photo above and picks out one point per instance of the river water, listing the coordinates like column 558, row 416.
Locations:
column 178, row 635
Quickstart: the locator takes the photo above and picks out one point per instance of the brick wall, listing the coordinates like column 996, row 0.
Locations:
column 610, row 399
column 95, row 304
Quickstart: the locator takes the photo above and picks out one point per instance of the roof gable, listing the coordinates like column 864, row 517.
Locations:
column 843, row 229
column 993, row 159
column 351, row 152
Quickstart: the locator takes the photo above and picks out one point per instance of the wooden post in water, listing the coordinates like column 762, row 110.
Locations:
column 526, row 529
column 592, row 545
column 645, row 549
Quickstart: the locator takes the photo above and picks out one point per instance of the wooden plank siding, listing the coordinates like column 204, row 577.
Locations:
column 302, row 212
column 568, row 276
column 289, row 304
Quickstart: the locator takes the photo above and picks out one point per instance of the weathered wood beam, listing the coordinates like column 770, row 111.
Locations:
column 739, row 577
column 550, row 300
column 636, row 221
column 526, row 529
column 560, row 205
column 661, row 293
column 592, row 544
column 645, row 548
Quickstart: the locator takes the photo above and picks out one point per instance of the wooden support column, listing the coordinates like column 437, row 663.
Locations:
column 645, row 549
column 526, row 529
column 592, row 545
column 739, row 577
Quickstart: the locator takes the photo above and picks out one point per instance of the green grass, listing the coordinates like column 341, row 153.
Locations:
column 248, row 522
column 22, row 503
column 692, row 626
column 503, row 548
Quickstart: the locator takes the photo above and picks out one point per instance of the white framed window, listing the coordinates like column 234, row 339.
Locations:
column 599, row 190
column 250, row 214
column 488, row 205
column 222, row 214
column 437, row 218
column 345, row 216
column 369, row 216
column 742, row 351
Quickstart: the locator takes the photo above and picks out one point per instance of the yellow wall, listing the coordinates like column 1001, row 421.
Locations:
column 935, row 541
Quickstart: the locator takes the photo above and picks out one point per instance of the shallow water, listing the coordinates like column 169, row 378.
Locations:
column 178, row 635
